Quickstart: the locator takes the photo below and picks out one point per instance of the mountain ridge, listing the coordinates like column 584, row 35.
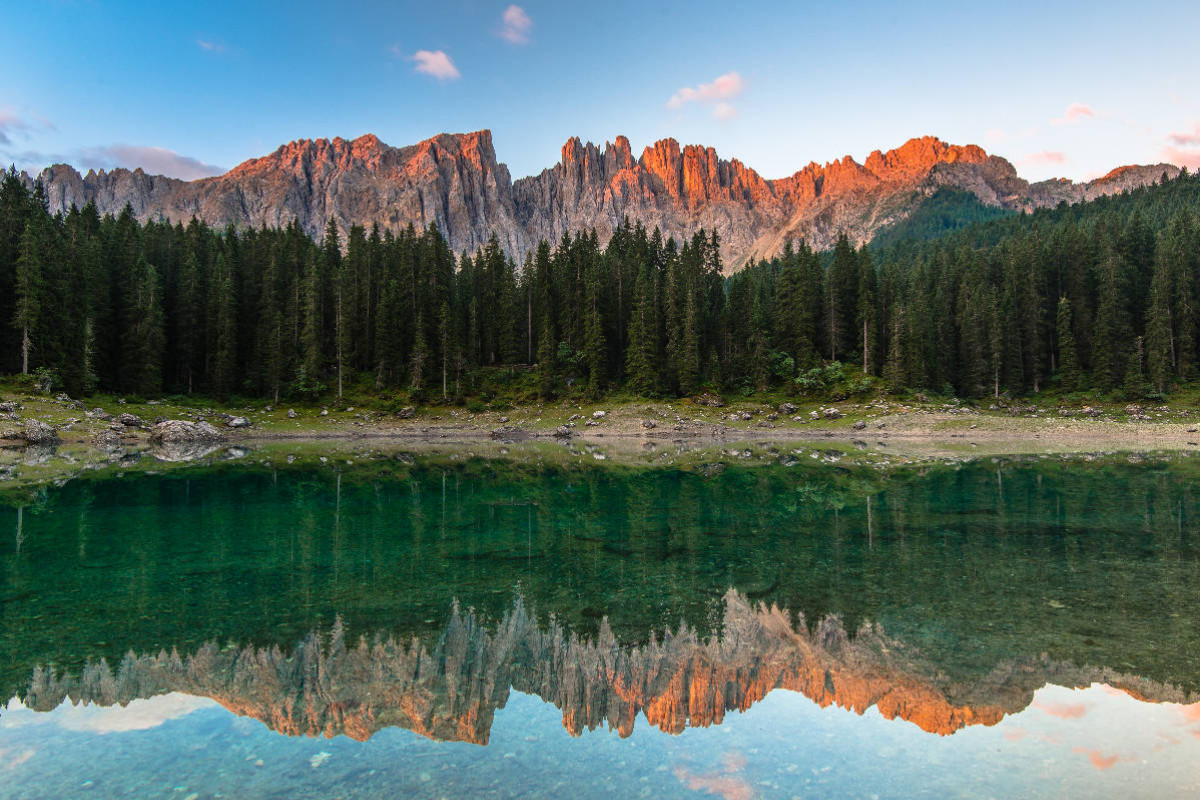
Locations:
column 456, row 181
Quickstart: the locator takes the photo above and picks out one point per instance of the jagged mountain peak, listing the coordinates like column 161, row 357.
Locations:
column 455, row 180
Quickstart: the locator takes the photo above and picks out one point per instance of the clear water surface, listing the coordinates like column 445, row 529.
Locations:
column 465, row 627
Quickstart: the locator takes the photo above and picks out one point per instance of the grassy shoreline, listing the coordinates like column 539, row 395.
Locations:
column 876, row 434
column 1112, row 425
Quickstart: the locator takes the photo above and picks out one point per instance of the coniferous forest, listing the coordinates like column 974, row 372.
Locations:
column 1097, row 296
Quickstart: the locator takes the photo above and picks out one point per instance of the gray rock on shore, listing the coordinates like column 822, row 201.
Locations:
column 178, row 430
column 38, row 432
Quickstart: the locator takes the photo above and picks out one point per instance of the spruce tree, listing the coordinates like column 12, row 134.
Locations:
column 29, row 287
column 143, row 339
column 1070, row 375
column 547, row 356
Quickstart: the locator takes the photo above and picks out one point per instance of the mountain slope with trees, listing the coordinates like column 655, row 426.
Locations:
column 1100, row 294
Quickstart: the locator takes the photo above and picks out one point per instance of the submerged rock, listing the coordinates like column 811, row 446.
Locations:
column 178, row 430
column 509, row 433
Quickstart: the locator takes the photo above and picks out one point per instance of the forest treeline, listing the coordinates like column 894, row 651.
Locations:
column 1101, row 295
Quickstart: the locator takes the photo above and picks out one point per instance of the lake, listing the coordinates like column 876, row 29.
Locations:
column 768, row 622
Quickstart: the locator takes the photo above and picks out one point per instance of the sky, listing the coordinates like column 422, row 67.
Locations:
column 1061, row 89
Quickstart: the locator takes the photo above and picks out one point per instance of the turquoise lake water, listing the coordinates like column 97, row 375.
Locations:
column 466, row 627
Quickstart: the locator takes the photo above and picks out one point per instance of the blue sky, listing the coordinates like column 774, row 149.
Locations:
column 1060, row 89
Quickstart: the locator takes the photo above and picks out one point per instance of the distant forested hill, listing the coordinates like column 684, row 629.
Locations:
column 945, row 211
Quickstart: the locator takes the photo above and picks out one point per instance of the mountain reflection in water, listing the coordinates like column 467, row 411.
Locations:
column 452, row 690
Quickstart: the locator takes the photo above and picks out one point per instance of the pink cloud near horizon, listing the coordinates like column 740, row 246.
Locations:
column 1063, row 710
column 1074, row 113
column 1186, row 139
column 1045, row 157
column 154, row 160
column 1182, row 158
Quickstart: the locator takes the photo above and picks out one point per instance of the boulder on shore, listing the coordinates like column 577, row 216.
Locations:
column 38, row 432
column 130, row 420
column 178, row 430
column 709, row 399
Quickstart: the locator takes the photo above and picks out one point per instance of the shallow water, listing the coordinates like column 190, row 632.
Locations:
column 467, row 627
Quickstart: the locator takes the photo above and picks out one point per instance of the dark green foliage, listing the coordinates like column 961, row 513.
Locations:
column 1098, row 295
column 1069, row 376
column 943, row 212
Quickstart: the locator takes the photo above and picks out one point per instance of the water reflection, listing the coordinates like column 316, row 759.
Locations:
column 450, row 691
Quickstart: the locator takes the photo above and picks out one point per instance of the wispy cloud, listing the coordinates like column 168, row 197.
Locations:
column 1075, row 112
column 210, row 45
column 515, row 25
column 154, row 160
column 1063, row 710
column 435, row 63
column 1045, row 157
column 719, row 93
column 725, row 111
column 17, row 125
column 1186, row 139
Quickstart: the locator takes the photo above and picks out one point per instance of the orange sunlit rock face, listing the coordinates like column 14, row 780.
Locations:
column 455, row 181
column 452, row 690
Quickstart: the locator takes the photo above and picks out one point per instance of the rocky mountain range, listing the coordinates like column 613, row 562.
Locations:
column 451, row 689
column 455, row 180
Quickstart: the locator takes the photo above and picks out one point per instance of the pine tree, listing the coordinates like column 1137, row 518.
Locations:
column 29, row 286
column 1135, row 376
column 312, row 361
column 688, row 366
column 595, row 344
column 642, row 355
column 867, row 313
column 843, row 281
column 1110, row 353
column 224, row 317
column 1160, row 337
column 143, row 340
column 1069, row 374
column 420, row 357
column 547, row 356
column 894, row 372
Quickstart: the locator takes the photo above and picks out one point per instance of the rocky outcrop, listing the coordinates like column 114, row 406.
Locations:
column 37, row 432
column 455, row 182
column 178, row 431
column 452, row 689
